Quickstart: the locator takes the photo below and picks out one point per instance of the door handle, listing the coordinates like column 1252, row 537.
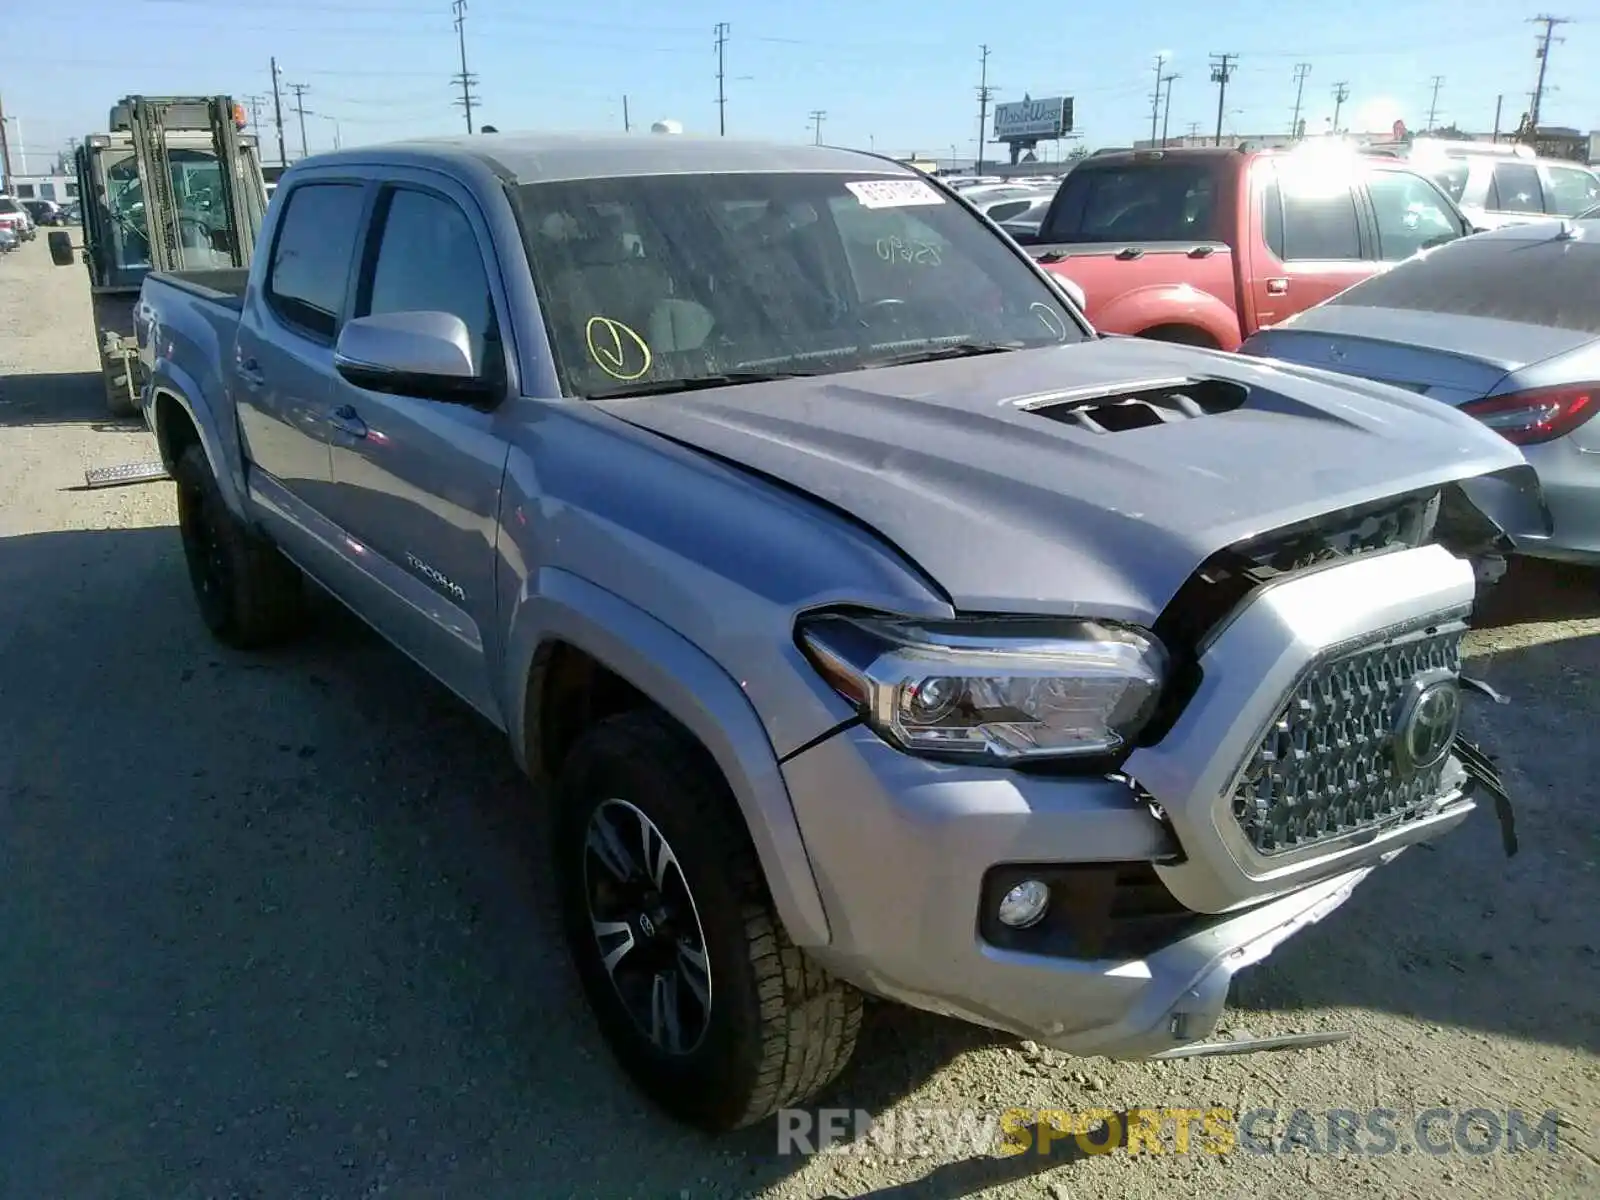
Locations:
column 1277, row 287
column 249, row 372
column 347, row 422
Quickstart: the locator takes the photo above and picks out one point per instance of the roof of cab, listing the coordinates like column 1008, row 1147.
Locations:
column 548, row 157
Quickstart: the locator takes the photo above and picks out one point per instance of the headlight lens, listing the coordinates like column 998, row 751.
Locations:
column 1004, row 688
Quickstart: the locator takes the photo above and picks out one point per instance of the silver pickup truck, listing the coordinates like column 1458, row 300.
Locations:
column 875, row 625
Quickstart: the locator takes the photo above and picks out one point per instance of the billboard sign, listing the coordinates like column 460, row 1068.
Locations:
column 1028, row 119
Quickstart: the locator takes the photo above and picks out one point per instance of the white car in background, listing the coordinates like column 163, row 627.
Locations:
column 1495, row 191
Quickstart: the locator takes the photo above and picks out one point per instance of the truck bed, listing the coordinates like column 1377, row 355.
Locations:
column 224, row 286
column 1121, row 280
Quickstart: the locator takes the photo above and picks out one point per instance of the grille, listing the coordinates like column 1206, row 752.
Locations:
column 1325, row 767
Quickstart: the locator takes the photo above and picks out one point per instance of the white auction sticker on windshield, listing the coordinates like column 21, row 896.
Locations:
column 893, row 193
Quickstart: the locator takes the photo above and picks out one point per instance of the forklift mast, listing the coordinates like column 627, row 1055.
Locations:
column 149, row 119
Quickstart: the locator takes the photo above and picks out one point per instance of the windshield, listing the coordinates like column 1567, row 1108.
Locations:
column 659, row 282
column 8, row 205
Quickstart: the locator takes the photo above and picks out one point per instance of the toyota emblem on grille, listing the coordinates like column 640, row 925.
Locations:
column 1427, row 723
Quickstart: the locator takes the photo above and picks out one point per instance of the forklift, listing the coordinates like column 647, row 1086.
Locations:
column 173, row 185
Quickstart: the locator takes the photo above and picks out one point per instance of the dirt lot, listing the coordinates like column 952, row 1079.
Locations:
column 279, row 927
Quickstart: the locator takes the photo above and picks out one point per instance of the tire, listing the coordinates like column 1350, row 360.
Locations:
column 777, row 1028
column 118, row 402
column 249, row 595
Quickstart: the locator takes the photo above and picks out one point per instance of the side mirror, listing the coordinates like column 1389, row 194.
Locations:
column 427, row 354
column 1479, row 228
column 60, row 248
column 1070, row 290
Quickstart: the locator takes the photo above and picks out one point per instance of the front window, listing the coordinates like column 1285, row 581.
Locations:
column 1572, row 190
column 653, row 283
column 1411, row 215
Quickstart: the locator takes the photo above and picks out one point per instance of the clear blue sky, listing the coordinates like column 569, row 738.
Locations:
column 899, row 75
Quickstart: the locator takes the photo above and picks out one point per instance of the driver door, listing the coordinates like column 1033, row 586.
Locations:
column 416, row 481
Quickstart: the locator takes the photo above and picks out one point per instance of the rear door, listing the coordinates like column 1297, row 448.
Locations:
column 1316, row 243
column 1569, row 190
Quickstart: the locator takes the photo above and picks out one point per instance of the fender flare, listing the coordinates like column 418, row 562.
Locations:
column 1171, row 304
column 220, row 442
column 692, row 688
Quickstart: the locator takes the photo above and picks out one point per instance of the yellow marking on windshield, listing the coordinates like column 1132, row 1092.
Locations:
column 612, row 344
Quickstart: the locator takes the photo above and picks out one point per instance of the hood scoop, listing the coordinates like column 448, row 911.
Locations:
column 1145, row 404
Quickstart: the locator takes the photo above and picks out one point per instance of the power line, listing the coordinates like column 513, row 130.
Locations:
column 299, row 90
column 722, row 31
column 1301, row 70
column 1341, row 93
column 1543, row 55
column 985, row 94
column 277, row 113
column 465, row 79
column 1433, row 105
column 1222, row 66
column 818, row 116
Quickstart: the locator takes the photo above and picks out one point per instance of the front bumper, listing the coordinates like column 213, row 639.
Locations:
column 903, row 848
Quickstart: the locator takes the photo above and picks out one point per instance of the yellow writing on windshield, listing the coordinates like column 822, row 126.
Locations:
column 617, row 349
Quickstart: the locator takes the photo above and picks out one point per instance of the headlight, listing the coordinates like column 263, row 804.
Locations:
column 1004, row 688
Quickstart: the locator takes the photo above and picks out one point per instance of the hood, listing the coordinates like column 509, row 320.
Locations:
column 961, row 465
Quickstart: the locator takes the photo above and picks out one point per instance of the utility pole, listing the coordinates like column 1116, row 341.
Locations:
column 722, row 97
column 985, row 92
column 5, row 149
column 300, row 90
column 818, row 116
column 277, row 114
column 1221, row 71
column 1341, row 93
column 1166, row 114
column 1499, row 102
column 1301, row 70
column 1194, row 129
column 1155, row 100
column 466, row 80
column 626, row 126
column 1543, row 55
column 1433, row 105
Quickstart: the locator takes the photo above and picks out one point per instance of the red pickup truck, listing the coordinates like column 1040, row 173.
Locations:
column 1205, row 246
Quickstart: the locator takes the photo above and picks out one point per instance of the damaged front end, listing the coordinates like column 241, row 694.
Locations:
column 1312, row 718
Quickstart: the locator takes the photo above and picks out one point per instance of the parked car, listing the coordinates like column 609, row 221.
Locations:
column 1010, row 205
column 879, row 626
column 8, row 239
column 44, row 212
column 15, row 218
column 1205, row 246
column 1504, row 327
column 1505, row 190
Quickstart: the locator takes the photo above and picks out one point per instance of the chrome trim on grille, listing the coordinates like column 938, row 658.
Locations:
column 1324, row 767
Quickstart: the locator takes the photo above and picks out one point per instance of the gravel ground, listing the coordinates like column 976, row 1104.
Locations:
column 278, row 927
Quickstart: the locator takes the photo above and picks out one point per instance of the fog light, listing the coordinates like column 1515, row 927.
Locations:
column 1025, row 904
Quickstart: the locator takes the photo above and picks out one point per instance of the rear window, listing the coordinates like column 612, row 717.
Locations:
column 1551, row 283
column 1452, row 177
column 1138, row 202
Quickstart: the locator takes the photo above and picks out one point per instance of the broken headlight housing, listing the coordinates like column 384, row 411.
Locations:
column 999, row 688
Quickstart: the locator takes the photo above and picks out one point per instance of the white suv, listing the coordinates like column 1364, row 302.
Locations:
column 1494, row 191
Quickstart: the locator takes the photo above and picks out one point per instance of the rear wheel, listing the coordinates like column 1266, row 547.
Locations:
column 249, row 595
column 704, row 1000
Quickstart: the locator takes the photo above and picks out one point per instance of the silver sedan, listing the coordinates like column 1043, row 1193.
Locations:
column 1504, row 326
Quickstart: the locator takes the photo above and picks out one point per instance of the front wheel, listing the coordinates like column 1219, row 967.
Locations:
column 704, row 1000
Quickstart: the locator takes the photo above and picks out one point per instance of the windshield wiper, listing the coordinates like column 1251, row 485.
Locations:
column 935, row 353
column 661, row 387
